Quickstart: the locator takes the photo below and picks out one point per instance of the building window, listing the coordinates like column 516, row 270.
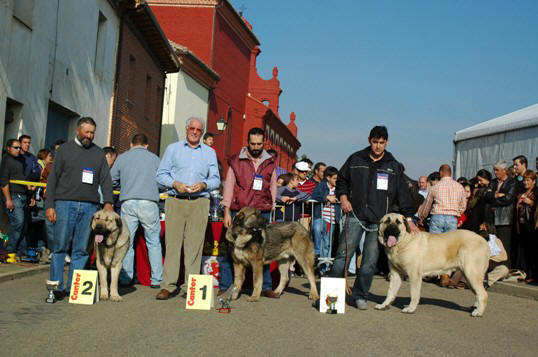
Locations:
column 147, row 97
column 23, row 10
column 131, row 86
column 100, row 44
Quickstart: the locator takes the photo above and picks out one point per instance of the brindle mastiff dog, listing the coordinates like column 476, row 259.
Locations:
column 423, row 254
column 109, row 238
column 256, row 243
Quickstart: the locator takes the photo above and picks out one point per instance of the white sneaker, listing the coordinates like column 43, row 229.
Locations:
column 67, row 259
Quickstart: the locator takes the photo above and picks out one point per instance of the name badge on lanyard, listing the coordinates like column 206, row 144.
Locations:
column 382, row 181
column 258, row 182
column 87, row 176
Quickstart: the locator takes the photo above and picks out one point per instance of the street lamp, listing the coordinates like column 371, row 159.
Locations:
column 221, row 124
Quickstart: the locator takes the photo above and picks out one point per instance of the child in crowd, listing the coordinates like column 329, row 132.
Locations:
column 326, row 215
column 290, row 197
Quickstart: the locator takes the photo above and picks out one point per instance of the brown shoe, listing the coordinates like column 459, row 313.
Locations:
column 270, row 294
column 163, row 295
column 445, row 280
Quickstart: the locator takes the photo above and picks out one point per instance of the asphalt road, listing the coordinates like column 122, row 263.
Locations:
column 289, row 326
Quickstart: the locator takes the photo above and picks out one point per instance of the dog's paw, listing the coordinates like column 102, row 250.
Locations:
column 253, row 299
column 475, row 313
column 408, row 310
column 103, row 296
column 312, row 296
column 116, row 298
column 381, row 307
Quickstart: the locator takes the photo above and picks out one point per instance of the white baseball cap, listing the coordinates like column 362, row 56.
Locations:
column 302, row 166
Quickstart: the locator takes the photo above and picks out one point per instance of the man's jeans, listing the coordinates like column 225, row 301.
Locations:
column 351, row 237
column 322, row 232
column 440, row 223
column 72, row 225
column 226, row 275
column 145, row 213
column 16, row 224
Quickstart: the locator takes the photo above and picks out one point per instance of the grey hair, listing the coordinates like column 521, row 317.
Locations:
column 199, row 120
column 501, row 165
column 85, row 120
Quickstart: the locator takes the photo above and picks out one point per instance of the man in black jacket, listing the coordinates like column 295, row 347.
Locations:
column 369, row 184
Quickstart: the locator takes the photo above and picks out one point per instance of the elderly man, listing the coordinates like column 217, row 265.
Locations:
column 250, row 182
column 134, row 173
column 502, row 195
column 190, row 171
column 423, row 186
column 78, row 170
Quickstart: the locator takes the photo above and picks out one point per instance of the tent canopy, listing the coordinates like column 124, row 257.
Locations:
column 519, row 119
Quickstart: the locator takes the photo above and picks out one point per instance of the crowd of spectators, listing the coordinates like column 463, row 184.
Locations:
column 500, row 206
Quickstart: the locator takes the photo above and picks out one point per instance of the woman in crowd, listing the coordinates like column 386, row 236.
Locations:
column 525, row 226
column 464, row 217
column 478, row 209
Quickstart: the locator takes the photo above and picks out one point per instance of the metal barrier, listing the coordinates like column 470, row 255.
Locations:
column 304, row 212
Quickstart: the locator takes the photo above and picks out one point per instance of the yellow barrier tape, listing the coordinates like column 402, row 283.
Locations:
column 162, row 196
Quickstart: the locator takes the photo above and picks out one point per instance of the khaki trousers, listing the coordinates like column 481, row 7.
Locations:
column 186, row 222
column 499, row 271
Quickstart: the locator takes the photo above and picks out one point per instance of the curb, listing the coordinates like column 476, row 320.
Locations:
column 23, row 273
column 515, row 289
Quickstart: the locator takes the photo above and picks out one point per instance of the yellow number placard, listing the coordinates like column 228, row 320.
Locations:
column 83, row 287
column 199, row 292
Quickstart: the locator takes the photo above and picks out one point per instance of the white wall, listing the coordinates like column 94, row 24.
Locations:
column 483, row 152
column 184, row 97
column 52, row 57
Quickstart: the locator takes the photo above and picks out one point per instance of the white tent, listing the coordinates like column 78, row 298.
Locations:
column 503, row 138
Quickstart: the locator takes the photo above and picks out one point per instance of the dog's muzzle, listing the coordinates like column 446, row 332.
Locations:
column 99, row 233
column 391, row 234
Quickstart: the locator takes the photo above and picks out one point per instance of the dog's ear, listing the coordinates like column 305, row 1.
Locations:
column 407, row 227
column 261, row 221
column 239, row 217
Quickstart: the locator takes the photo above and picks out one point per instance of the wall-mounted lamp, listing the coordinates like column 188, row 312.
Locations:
column 221, row 124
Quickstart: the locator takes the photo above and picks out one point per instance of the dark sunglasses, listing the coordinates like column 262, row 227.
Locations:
column 16, row 147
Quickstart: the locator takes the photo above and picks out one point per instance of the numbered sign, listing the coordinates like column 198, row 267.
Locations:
column 332, row 295
column 199, row 292
column 83, row 287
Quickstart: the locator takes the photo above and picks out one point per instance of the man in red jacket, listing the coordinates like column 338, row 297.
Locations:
column 250, row 182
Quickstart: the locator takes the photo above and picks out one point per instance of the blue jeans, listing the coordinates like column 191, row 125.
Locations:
column 226, row 275
column 441, row 223
column 322, row 239
column 145, row 213
column 16, row 224
column 72, row 225
column 351, row 237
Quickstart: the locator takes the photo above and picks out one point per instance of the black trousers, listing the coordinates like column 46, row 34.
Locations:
column 504, row 233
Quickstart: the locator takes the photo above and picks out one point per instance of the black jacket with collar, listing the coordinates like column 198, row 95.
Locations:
column 358, row 180
column 503, row 207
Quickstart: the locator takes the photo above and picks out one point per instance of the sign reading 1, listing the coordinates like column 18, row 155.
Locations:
column 199, row 292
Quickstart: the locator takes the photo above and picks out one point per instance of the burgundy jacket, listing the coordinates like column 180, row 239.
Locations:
column 244, row 195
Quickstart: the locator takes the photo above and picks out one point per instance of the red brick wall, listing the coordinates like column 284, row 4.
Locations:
column 129, row 116
column 188, row 26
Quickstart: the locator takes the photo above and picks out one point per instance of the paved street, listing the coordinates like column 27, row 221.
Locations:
column 289, row 326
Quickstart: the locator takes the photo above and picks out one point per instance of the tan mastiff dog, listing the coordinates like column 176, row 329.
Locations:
column 109, row 238
column 423, row 254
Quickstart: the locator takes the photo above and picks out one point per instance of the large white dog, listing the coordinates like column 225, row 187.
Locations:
column 424, row 254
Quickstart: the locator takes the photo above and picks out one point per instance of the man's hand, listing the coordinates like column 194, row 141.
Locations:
column 291, row 200
column 32, row 202
column 412, row 226
column 346, row 205
column 197, row 187
column 227, row 220
column 499, row 195
column 51, row 215
column 108, row 207
column 180, row 187
column 9, row 204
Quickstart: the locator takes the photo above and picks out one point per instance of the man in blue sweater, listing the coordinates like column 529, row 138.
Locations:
column 134, row 173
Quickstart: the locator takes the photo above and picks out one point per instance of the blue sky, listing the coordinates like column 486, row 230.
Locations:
column 425, row 69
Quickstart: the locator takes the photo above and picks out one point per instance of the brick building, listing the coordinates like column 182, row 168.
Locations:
column 144, row 58
column 221, row 38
